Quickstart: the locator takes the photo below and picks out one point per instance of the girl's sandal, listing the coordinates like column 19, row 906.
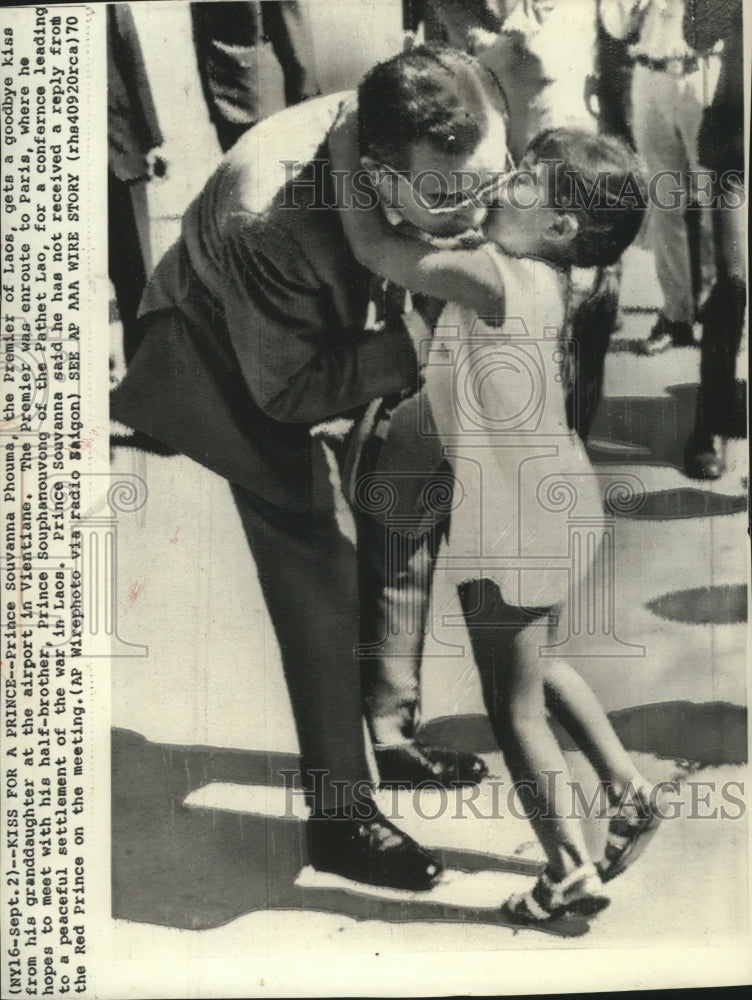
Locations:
column 628, row 836
column 579, row 893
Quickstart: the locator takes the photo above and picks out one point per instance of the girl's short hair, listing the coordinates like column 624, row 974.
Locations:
column 600, row 180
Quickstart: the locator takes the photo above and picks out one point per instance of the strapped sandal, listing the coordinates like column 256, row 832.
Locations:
column 579, row 893
column 628, row 836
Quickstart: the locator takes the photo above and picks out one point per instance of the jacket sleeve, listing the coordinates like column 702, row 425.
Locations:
column 300, row 365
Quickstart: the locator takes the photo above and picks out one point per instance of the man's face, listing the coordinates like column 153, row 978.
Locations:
column 435, row 178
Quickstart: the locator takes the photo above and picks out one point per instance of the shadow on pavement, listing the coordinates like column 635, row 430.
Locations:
column 643, row 430
column 710, row 734
column 719, row 605
column 685, row 502
column 200, row 868
column 649, row 430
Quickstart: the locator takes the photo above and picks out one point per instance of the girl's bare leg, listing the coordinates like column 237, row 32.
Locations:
column 506, row 642
column 573, row 703
column 533, row 755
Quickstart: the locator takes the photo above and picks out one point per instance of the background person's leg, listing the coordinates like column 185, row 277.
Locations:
column 655, row 99
column 287, row 25
column 721, row 405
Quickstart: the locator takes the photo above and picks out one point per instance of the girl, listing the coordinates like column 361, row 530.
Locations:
column 543, row 224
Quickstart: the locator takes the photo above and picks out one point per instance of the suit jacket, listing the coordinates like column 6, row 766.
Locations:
column 132, row 126
column 255, row 320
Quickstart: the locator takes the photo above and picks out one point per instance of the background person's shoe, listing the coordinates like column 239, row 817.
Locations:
column 705, row 456
column 372, row 851
column 408, row 764
column 668, row 333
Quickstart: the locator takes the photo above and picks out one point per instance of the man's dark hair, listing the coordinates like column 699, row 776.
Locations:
column 432, row 93
column 599, row 179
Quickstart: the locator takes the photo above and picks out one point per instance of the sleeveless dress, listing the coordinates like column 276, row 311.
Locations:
column 523, row 481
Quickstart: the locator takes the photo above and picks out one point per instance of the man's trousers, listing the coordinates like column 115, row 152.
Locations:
column 350, row 621
column 308, row 575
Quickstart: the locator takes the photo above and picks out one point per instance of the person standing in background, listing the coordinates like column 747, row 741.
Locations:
column 613, row 71
column 671, row 85
column 721, row 405
column 133, row 134
column 541, row 51
column 240, row 47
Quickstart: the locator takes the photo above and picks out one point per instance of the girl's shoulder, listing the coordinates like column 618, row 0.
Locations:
column 535, row 292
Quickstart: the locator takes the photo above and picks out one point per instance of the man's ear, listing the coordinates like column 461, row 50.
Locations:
column 564, row 228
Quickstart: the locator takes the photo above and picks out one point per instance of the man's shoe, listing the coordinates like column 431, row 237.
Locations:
column 668, row 333
column 406, row 765
column 372, row 851
column 705, row 456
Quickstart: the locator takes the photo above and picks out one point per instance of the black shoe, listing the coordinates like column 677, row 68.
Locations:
column 408, row 764
column 668, row 333
column 705, row 456
column 372, row 851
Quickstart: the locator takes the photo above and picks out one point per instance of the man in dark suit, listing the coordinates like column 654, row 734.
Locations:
column 132, row 133
column 255, row 336
column 241, row 47
column 721, row 399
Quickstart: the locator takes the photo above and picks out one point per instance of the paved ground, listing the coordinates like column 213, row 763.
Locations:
column 205, row 712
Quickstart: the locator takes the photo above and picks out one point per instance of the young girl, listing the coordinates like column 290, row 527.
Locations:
column 499, row 406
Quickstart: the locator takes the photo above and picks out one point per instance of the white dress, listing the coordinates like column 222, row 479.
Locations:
column 523, row 481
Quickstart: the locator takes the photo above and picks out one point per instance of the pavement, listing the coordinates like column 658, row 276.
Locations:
column 208, row 854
